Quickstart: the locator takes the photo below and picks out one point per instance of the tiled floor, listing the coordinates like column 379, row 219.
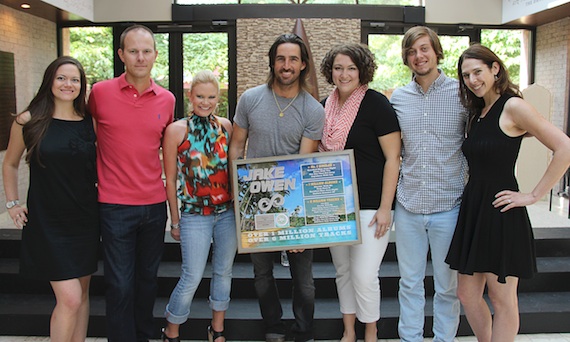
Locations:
column 520, row 338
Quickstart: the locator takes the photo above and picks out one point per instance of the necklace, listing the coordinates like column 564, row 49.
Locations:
column 278, row 106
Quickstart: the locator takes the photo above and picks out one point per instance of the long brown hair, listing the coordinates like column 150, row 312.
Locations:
column 503, row 84
column 294, row 39
column 42, row 106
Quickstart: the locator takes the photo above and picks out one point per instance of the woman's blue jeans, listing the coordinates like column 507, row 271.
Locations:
column 197, row 232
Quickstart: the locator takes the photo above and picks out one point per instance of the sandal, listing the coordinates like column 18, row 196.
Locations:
column 165, row 338
column 213, row 335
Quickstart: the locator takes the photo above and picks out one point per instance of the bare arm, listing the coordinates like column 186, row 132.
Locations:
column 521, row 117
column 10, row 166
column 391, row 147
column 227, row 125
column 308, row 146
column 237, row 143
column 173, row 136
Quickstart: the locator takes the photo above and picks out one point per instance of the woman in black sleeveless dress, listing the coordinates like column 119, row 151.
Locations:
column 60, row 221
column 493, row 243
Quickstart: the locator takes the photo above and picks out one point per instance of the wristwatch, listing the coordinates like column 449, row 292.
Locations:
column 12, row 204
column 175, row 226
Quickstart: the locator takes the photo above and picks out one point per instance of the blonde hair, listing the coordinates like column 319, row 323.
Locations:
column 205, row 76
column 202, row 77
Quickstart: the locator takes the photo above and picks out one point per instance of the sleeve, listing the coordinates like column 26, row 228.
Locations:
column 315, row 122
column 386, row 121
column 241, row 117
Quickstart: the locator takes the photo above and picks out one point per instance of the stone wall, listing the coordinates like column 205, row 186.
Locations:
column 255, row 36
column 552, row 66
column 33, row 42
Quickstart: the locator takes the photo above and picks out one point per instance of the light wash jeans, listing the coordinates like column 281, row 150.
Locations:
column 357, row 269
column 196, row 234
column 415, row 235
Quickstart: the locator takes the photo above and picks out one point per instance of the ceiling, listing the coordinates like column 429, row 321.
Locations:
column 49, row 12
column 42, row 10
column 544, row 17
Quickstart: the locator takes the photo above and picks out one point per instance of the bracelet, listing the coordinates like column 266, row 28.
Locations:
column 12, row 204
column 175, row 226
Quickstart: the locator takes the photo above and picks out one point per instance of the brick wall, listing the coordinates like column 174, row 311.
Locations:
column 255, row 36
column 33, row 42
column 552, row 66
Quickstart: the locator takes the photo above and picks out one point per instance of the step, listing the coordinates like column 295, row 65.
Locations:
column 540, row 312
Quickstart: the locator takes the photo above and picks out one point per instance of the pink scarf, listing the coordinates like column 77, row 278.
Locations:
column 339, row 120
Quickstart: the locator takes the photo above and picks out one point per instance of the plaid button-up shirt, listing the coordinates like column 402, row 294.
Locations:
column 433, row 123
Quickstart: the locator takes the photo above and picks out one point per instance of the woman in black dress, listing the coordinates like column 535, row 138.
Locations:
column 493, row 243
column 60, row 221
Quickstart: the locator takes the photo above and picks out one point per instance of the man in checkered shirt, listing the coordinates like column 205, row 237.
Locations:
column 431, row 182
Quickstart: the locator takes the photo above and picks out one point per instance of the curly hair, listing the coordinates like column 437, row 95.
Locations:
column 502, row 85
column 360, row 55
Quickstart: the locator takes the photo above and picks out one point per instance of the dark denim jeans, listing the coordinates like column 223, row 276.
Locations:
column 301, row 267
column 133, row 241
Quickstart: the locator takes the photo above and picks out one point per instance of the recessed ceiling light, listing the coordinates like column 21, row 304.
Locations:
column 25, row 6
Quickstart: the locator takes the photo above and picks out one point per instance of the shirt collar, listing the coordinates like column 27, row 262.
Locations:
column 124, row 84
column 438, row 82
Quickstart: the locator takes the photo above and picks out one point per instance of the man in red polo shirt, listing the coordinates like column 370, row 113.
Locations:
column 131, row 113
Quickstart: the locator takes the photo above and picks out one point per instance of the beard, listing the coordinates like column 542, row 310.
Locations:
column 294, row 78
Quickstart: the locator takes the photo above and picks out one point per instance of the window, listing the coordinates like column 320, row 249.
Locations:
column 511, row 46
column 392, row 73
column 206, row 51
column 93, row 48
column 328, row 2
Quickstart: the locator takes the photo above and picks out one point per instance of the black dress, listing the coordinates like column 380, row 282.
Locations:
column 61, row 238
column 486, row 240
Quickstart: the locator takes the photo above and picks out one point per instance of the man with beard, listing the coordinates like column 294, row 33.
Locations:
column 429, row 190
column 275, row 119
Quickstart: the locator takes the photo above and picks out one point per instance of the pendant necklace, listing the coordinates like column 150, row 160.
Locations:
column 278, row 106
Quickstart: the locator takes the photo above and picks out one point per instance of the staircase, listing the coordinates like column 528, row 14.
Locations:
column 25, row 305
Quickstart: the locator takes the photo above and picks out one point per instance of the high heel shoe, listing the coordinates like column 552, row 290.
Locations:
column 165, row 338
column 213, row 335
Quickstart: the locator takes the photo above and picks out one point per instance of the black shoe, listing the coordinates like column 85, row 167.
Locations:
column 165, row 338
column 273, row 337
column 213, row 335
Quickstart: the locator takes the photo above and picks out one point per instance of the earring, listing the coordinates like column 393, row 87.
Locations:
column 496, row 77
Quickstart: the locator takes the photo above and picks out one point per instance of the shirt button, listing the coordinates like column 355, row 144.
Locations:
column 425, row 114
column 135, row 95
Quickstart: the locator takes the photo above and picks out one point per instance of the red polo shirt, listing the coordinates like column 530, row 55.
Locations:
column 130, row 127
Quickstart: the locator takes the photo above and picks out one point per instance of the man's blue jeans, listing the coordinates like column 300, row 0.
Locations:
column 301, row 268
column 197, row 233
column 133, row 241
column 415, row 235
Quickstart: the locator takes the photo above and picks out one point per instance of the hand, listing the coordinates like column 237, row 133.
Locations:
column 175, row 233
column 383, row 221
column 19, row 216
column 510, row 199
column 296, row 250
